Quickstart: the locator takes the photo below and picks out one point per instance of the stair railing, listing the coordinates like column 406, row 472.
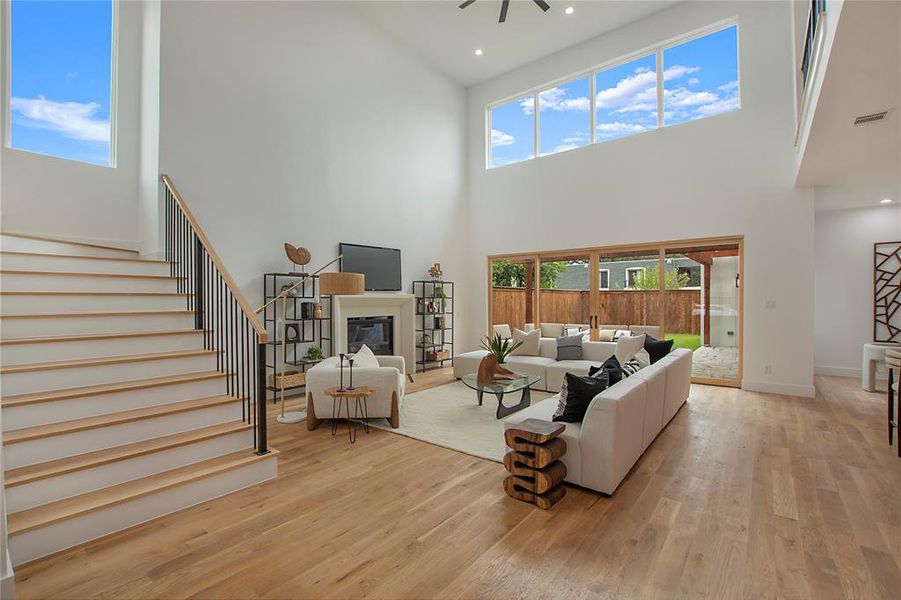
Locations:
column 229, row 323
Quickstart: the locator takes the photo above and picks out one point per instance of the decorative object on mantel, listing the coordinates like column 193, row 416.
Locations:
column 329, row 283
column 299, row 256
column 536, row 473
column 435, row 271
column 887, row 292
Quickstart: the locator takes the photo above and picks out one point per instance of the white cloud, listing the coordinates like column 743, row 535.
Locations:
column 74, row 120
column 685, row 97
column 563, row 147
column 694, row 81
column 627, row 90
column 617, row 129
column 728, row 87
column 554, row 99
column 724, row 105
column 677, row 71
column 501, row 138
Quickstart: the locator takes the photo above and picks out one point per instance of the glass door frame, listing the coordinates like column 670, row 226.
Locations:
column 594, row 255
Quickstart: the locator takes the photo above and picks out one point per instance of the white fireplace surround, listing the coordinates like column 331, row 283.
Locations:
column 400, row 306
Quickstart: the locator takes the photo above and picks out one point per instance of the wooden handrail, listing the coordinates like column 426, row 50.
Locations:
column 246, row 308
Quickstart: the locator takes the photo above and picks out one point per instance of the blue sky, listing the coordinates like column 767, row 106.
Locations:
column 61, row 68
column 700, row 79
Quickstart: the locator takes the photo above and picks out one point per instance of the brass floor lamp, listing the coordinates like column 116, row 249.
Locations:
column 330, row 284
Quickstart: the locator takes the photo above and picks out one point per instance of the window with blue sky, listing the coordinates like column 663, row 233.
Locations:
column 513, row 132
column 564, row 116
column 626, row 99
column 60, row 80
column 699, row 79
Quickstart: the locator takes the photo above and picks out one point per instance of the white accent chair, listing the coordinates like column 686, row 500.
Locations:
column 387, row 380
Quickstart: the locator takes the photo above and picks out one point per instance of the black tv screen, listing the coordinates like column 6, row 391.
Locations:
column 380, row 266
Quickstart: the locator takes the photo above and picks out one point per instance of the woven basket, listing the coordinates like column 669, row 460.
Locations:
column 288, row 379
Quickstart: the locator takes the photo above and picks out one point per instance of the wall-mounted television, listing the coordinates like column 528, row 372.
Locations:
column 380, row 266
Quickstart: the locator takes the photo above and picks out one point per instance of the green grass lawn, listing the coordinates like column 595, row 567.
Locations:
column 685, row 340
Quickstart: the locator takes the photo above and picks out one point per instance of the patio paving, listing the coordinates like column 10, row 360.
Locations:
column 715, row 362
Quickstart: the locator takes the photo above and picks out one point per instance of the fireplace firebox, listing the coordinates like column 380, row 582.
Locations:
column 375, row 332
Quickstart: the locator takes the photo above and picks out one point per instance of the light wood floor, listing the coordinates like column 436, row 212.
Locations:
column 742, row 495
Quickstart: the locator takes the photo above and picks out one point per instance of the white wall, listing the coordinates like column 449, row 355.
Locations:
column 844, row 282
column 47, row 195
column 300, row 122
column 727, row 175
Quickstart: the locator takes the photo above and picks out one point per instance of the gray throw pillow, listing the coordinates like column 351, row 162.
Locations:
column 569, row 347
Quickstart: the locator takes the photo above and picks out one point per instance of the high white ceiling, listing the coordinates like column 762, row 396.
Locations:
column 447, row 36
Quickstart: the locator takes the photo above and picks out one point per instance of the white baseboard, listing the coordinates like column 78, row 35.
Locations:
column 845, row 372
column 786, row 389
column 8, row 581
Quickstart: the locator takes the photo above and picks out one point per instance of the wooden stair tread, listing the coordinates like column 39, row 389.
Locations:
column 43, row 238
column 54, row 468
column 48, row 514
column 97, row 336
column 126, row 259
column 27, row 434
column 105, row 360
column 79, row 274
column 103, row 294
column 76, row 315
column 108, row 388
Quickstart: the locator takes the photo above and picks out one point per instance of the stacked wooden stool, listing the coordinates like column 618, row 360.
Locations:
column 536, row 473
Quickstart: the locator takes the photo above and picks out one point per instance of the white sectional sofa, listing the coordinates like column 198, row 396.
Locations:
column 555, row 330
column 621, row 422
column 545, row 365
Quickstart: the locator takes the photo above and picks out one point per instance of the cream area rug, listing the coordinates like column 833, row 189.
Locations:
column 450, row 416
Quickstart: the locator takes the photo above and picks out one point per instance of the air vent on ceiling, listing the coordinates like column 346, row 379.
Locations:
column 872, row 118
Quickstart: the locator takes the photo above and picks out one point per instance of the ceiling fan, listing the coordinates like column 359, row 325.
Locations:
column 506, row 4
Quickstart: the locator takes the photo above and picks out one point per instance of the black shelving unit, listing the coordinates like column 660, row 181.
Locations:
column 435, row 322
column 309, row 330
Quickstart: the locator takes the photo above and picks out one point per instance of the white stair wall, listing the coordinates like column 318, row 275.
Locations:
column 12, row 303
column 57, row 348
column 18, row 242
column 50, row 489
column 36, row 261
column 132, row 422
column 19, row 415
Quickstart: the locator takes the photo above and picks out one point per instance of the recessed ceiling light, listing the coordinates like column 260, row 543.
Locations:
column 569, row 10
column 478, row 52
column 885, row 201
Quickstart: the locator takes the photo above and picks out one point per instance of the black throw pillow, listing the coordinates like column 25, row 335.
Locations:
column 576, row 395
column 657, row 349
column 611, row 367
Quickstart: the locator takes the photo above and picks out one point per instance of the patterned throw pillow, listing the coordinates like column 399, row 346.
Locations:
column 579, row 392
column 622, row 333
column 631, row 367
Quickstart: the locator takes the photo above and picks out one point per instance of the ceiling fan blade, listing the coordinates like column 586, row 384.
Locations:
column 504, row 6
column 467, row 3
column 542, row 5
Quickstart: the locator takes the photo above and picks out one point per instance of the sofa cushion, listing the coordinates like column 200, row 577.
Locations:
column 551, row 330
column 533, row 365
column 544, row 411
column 569, row 347
column 606, row 335
column 655, row 378
column 576, row 394
column 547, row 347
column 598, row 352
column 657, row 349
column 628, row 346
column 648, row 329
column 530, row 342
column 503, row 330
column 557, row 371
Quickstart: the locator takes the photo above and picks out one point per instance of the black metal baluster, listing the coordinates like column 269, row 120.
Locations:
column 262, row 447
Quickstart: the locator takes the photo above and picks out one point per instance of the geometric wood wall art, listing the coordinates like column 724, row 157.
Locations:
column 887, row 292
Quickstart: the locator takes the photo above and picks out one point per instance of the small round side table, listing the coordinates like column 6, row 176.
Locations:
column 358, row 396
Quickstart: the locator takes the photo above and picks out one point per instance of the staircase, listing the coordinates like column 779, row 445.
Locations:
column 129, row 386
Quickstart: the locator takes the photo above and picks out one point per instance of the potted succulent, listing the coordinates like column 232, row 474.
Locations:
column 314, row 354
column 500, row 347
column 441, row 296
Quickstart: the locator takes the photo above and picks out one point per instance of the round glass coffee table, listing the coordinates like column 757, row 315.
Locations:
column 501, row 387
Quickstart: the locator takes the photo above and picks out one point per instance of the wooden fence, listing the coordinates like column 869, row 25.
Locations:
column 621, row 307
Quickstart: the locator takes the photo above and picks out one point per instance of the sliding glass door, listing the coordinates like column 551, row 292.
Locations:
column 689, row 292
